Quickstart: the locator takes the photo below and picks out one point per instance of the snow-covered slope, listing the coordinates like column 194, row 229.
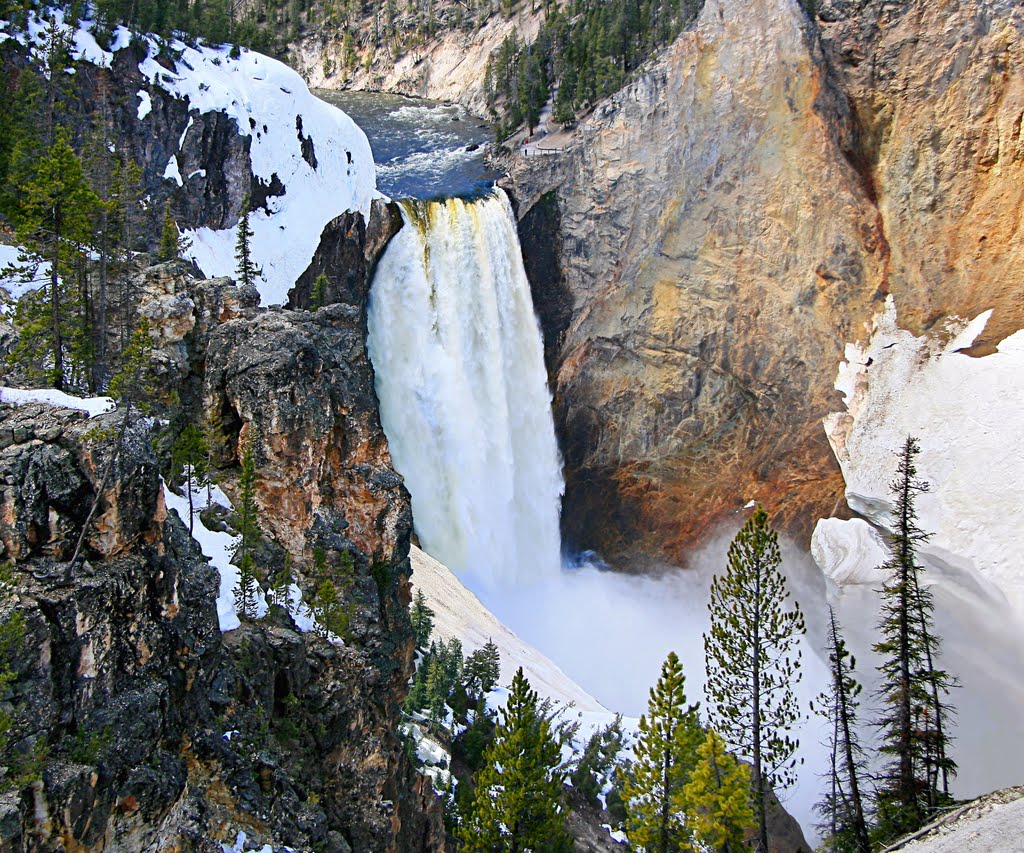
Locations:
column 458, row 613
column 272, row 106
column 968, row 414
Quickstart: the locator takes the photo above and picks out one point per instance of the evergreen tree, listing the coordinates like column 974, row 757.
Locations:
column 845, row 828
column 280, row 584
column 422, row 618
column 482, row 670
column 753, row 661
column 665, row 754
column 188, row 462
column 596, row 766
column 437, row 690
column 247, row 589
column 416, row 700
column 55, row 222
column 915, row 722
column 318, row 295
column 717, row 798
column 172, row 244
column 245, row 266
column 517, row 802
column 12, row 635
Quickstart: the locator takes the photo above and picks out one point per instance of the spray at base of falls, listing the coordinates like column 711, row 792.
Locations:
column 457, row 352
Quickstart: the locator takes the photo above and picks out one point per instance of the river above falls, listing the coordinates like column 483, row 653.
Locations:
column 421, row 149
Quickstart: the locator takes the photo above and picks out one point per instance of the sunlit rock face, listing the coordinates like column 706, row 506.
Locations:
column 734, row 216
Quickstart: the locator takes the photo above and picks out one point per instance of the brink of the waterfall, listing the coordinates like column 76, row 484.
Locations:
column 457, row 352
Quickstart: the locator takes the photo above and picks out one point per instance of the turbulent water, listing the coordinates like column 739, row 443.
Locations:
column 422, row 149
column 456, row 349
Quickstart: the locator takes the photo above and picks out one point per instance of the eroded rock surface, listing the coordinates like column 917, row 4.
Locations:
column 735, row 215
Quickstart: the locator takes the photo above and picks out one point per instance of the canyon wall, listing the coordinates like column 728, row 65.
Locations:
column 733, row 216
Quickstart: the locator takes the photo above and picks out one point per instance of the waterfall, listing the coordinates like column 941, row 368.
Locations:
column 459, row 366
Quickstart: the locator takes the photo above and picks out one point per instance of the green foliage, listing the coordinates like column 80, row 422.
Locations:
column 665, row 755
column 753, row 661
column 281, row 582
column 716, row 799
column 597, row 765
column 245, row 266
column 172, row 243
column 481, row 670
column 318, row 295
column 188, row 464
column 247, row 590
column 12, row 635
column 330, row 605
column 915, row 721
column 517, row 801
column 54, row 224
column 586, row 50
column 422, row 619
column 87, row 746
column 478, row 734
column 133, row 385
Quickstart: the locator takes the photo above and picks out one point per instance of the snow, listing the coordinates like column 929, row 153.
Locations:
column 184, row 133
column 200, row 172
column 14, row 284
column 145, row 104
column 266, row 99
column 968, row 415
column 218, row 547
column 93, row 406
column 172, row 172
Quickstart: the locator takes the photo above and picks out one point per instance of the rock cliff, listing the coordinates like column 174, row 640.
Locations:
column 733, row 216
column 137, row 724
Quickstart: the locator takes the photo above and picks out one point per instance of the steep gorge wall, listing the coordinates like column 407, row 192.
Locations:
column 732, row 217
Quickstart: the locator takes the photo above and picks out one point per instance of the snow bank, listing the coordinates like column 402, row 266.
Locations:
column 269, row 103
column 968, row 414
column 93, row 406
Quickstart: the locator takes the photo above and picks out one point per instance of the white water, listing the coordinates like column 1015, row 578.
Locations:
column 463, row 392
column 460, row 375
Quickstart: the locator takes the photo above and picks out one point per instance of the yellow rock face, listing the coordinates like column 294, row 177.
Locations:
column 734, row 216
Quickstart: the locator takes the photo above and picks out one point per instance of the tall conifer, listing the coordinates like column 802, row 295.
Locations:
column 915, row 719
column 753, row 662
column 517, row 804
column 665, row 755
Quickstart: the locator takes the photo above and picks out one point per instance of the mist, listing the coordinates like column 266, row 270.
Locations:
column 610, row 632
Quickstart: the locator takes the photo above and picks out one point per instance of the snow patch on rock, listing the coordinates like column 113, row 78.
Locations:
column 93, row 406
column 145, row 104
column 269, row 102
column 172, row 172
column 968, row 414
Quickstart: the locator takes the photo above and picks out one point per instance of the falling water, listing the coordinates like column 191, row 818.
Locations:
column 463, row 392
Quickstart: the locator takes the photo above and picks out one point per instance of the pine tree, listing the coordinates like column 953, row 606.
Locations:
column 437, row 690
column 188, row 461
column 422, row 619
column 172, row 243
column 753, row 662
column 245, row 266
column 717, row 798
column 416, row 700
column 55, row 221
column 318, row 295
column 247, row 589
column 845, row 828
column 482, row 670
column 281, row 582
column 915, row 722
column 665, row 754
column 596, row 766
column 517, row 803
